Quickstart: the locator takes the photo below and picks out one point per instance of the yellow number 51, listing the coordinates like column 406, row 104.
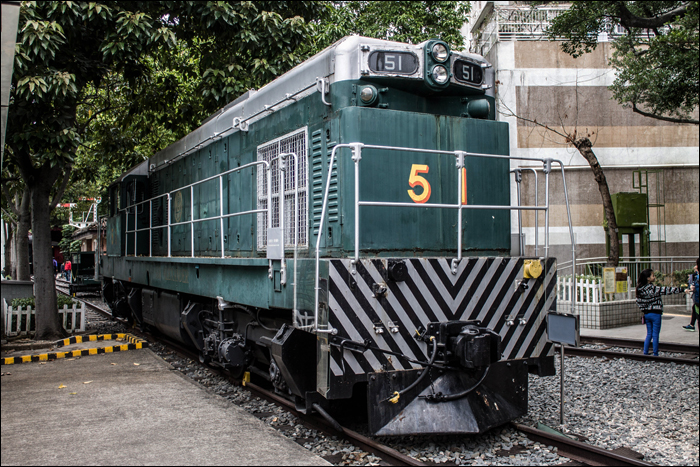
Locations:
column 416, row 180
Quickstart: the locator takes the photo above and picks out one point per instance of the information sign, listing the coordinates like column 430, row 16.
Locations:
column 620, row 280
column 609, row 280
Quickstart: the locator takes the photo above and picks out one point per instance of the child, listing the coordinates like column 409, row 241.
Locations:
column 649, row 302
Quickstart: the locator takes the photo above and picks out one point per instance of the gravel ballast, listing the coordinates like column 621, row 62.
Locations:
column 651, row 408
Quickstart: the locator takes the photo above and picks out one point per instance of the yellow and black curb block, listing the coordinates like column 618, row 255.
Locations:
column 134, row 343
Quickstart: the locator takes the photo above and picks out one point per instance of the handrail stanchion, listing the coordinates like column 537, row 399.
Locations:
column 295, row 310
column 282, row 171
column 546, row 170
column 320, row 236
column 356, row 158
column 269, row 214
column 192, row 220
column 150, row 228
column 136, row 233
column 169, row 227
column 537, row 214
column 221, row 212
column 571, row 233
column 460, row 166
column 518, row 181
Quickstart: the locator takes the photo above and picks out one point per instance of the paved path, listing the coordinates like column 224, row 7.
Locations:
column 145, row 414
column 671, row 331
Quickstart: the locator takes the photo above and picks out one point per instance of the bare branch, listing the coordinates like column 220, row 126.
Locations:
column 62, row 188
column 666, row 119
column 535, row 122
column 8, row 217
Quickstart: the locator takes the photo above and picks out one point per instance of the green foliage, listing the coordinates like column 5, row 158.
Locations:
column 77, row 60
column 23, row 303
column 680, row 278
column 195, row 76
column 401, row 21
column 659, row 279
column 656, row 59
column 99, row 87
column 677, row 278
column 67, row 244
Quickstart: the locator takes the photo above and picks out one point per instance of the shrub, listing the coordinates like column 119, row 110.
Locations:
column 23, row 303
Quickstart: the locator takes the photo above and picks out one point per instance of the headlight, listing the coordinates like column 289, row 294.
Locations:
column 440, row 52
column 439, row 74
column 368, row 95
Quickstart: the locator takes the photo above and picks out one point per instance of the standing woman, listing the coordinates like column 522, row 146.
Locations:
column 649, row 302
column 694, row 285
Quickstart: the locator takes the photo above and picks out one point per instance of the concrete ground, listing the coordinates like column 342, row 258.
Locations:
column 671, row 331
column 129, row 414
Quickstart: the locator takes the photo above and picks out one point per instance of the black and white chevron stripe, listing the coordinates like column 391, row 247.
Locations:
column 483, row 289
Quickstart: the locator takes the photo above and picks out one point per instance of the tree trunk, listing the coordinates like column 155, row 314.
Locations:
column 584, row 147
column 24, row 223
column 48, row 323
column 8, row 249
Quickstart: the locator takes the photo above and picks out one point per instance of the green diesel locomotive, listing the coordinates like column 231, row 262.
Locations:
column 344, row 233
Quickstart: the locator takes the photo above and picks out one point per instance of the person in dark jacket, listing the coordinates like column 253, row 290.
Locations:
column 693, row 284
column 649, row 302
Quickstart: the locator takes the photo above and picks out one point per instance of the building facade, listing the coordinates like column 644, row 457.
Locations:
column 537, row 82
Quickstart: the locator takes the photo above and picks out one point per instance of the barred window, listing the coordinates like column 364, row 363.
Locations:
column 291, row 143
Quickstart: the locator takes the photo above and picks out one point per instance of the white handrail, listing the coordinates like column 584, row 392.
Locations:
column 459, row 155
column 192, row 220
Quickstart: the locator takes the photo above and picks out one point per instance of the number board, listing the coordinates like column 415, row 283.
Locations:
column 468, row 72
column 404, row 63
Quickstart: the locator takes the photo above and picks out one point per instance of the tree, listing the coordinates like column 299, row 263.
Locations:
column 16, row 200
column 167, row 103
column 82, row 65
column 67, row 48
column 401, row 21
column 656, row 58
column 581, row 141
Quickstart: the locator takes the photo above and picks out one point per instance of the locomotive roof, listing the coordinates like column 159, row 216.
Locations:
column 339, row 62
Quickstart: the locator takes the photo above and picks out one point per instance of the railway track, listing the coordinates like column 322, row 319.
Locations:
column 690, row 353
column 318, row 422
column 329, row 426
column 63, row 286
column 636, row 344
column 582, row 452
column 575, row 450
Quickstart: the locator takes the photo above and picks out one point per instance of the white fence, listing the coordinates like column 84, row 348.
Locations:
column 589, row 291
column 18, row 321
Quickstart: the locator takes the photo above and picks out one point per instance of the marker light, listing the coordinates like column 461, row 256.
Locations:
column 439, row 74
column 440, row 52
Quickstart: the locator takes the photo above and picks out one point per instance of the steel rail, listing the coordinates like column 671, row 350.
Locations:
column 389, row 455
column 580, row 352
column 637, row 344
column 576, row 450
